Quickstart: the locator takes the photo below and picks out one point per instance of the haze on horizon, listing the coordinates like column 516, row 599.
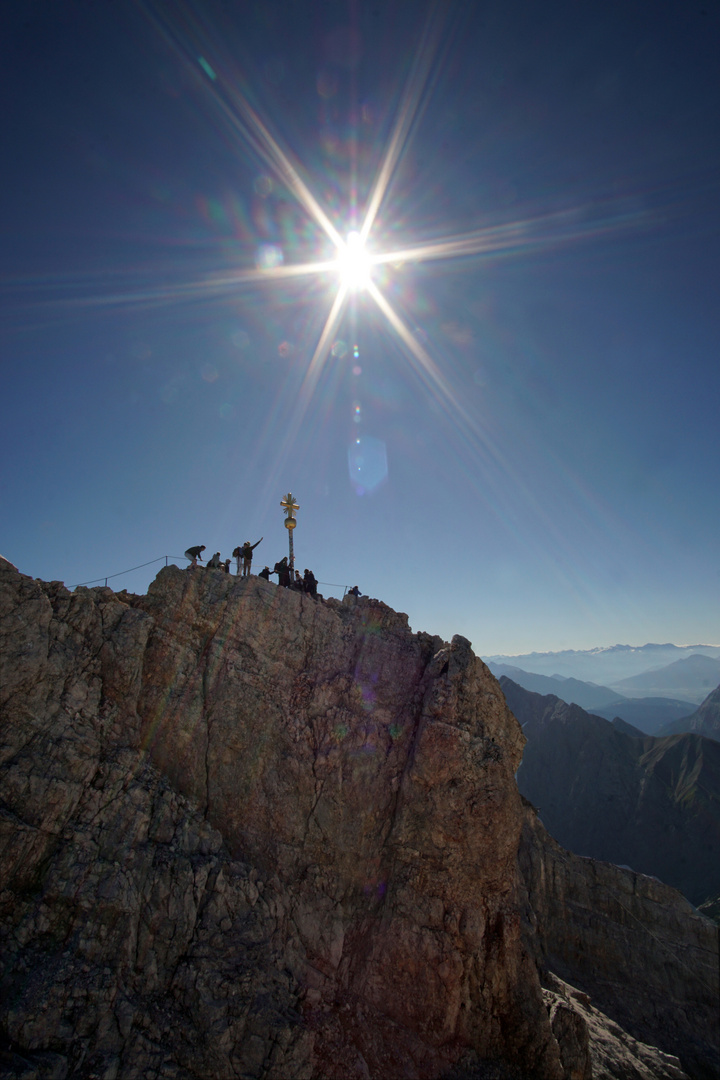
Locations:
column 546, row 479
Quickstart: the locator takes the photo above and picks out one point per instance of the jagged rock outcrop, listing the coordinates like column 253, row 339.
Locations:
column 593, row 1047
column 603, row 929
column 244, row 833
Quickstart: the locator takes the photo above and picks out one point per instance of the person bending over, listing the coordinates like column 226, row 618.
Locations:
column 193, row 554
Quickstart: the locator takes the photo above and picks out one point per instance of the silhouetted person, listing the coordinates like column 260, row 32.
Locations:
column 310, row 583
column 226, row 566
column 193, row 554
column 265, row 573
column 297, row 582
column 283, row 572
column 215, row 562
column 246, row 552
column 354, row 591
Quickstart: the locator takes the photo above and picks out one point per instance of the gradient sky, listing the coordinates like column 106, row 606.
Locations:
column 538, row 471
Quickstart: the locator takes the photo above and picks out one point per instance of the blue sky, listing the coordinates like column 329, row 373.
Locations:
column 538, row 471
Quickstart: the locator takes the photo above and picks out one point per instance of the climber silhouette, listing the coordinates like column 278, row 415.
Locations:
column 193, row 554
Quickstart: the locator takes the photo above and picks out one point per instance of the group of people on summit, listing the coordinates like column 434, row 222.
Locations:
column 287, row 577
column 242, row 552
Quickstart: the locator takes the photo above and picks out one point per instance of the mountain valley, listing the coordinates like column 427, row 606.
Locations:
column 650, row 803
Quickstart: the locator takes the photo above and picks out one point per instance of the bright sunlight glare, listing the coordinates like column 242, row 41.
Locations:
column 354, row 262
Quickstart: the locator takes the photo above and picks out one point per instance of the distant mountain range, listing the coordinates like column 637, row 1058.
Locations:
column 651, row 715
column 650, row 803
column 587, row 694
column 691, row 676
column 605, row 666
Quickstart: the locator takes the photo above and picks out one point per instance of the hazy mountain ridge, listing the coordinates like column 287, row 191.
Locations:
column 693, row 676
column 650, row 803
column 650, row 715
column 603, row 665
column 586, row 694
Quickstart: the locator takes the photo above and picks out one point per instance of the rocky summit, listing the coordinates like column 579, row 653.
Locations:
column 247, row 833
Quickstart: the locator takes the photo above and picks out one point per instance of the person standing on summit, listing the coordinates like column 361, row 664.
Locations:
column 245, row 552
column 283, row 572
column 310, row 583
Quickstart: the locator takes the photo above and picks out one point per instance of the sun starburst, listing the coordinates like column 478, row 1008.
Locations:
column 355, row 255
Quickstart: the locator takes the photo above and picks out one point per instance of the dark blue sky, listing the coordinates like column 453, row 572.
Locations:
column 554, row 482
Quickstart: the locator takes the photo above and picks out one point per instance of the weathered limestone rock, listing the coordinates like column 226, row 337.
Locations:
column 606, row 929
column 247, row 834
column 372, row 769
column 314, row 864
column 592, row 1047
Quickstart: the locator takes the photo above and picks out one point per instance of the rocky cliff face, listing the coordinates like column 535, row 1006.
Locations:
column 604, row 928
column 245, row 833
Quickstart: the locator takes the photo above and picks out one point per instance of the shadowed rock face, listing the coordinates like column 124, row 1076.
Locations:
column 605, row 929
column 320, row 868
column 245, row 833
column 704, row 721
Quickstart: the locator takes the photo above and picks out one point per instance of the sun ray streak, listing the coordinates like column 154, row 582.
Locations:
column 531, row 234
column 277, row 158
column 426, row 366
column 565, row 226
column 461, row 420
column 308, row 386
column 321, row 350
column 214, row 285
column 245, row 119
column 406, row 114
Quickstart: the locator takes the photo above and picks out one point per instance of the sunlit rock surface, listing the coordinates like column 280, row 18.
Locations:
column 246, row 833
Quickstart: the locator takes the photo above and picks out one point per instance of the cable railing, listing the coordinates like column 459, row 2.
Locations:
column 120, row 573
column 174, row 559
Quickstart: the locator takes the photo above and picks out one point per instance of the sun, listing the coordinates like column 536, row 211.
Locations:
column 354, row 263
